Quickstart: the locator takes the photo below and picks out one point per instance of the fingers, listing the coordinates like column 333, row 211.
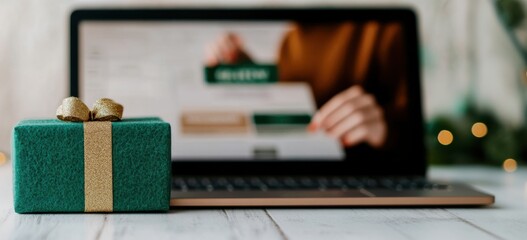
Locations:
column 352, row 116
column 373, row 133
column 355, row 136
column 211, row 57
column 334, row 104
column 355, row 120
column 225, row 49
column 361, row 103
column 235, row 40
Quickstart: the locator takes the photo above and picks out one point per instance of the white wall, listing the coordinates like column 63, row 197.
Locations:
column 461, row 40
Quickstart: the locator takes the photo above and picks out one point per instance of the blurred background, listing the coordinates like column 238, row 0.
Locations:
column 473, row 59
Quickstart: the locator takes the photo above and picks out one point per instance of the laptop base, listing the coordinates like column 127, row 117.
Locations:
column 454, row 195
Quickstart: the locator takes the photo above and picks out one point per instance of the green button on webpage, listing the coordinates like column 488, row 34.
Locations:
column 241, row 74
column 281, row 119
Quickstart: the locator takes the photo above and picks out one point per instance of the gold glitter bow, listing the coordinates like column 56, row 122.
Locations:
column 98, row 173
column 104, row 109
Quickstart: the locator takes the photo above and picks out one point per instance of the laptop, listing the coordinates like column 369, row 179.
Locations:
column 271, row 106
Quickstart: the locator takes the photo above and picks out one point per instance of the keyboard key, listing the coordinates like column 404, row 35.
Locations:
column 322, row 183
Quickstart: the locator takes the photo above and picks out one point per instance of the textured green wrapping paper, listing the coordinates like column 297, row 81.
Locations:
column 48, row 166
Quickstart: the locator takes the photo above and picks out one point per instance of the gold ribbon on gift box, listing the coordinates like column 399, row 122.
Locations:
column 98, row 179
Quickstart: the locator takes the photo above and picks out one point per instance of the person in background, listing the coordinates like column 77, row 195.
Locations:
column 357, row 72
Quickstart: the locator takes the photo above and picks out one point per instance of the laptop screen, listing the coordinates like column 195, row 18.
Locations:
column 242, row 90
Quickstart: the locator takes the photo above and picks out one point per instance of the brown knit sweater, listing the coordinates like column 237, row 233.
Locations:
column 333, row 57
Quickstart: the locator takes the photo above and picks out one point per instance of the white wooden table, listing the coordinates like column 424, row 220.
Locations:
column 507, row 219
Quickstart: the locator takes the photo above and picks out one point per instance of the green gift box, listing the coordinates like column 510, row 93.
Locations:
column 53, row 173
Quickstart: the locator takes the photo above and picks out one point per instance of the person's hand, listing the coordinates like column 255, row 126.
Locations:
column 227, row 49
column 353, row 116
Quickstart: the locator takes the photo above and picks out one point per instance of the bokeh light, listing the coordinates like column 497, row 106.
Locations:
column 3, row 158
column 479, row 130
column 445, row 137
column 510, row 165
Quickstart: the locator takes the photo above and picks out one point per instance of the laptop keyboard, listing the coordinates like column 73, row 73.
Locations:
column 269, row 183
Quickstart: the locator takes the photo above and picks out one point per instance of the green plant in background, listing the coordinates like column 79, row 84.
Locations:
column 476, row 136
column 510, row 12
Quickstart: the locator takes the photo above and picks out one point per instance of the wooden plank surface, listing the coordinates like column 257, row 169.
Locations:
column 507, row 219
column 375, row 224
